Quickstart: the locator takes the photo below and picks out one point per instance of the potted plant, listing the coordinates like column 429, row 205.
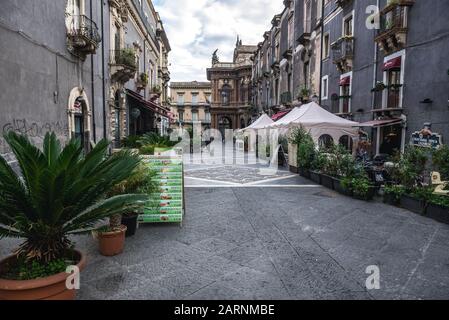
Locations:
column 304, row 94
column 141, row 181
column 362, row 188
column 127, row 57
column 142, row 80
column 60, row 192
column 380, row 86
column 318, row 163
column 306, row 153
column 393, row 194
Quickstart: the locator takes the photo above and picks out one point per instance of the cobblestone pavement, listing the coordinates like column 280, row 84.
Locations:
column 285, row 240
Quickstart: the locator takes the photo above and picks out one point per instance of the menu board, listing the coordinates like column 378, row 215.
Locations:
column 167, row 204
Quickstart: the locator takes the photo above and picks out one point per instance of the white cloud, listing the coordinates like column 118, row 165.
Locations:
column 196, row 28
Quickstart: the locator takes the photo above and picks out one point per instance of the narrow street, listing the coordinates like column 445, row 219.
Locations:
column 271, row 237
column 275, row 238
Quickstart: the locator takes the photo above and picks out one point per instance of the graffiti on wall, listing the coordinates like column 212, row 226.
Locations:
column 34, row 130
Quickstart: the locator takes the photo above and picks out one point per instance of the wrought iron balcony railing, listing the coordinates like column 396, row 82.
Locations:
column 392, row 34
column 343, row 53
column 82, row 33
column 124, row 57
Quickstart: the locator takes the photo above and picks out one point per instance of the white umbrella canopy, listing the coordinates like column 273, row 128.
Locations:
column 260, row 123
column 318, row 122
column 312, row 115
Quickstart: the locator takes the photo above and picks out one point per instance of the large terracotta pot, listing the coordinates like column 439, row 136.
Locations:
column 49, row 288
column 112, row 243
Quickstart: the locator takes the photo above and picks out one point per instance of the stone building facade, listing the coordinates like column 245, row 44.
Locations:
column 190, row 104
column 370, row 61
column 231, row 89
column 62, row 69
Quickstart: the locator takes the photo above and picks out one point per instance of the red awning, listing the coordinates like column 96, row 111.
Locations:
column 346, row 81
column 150, row 105
column 380, row 123
column 279, row 115
column 393, row 63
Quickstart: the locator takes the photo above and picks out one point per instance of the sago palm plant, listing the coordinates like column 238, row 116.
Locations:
column 59, row 192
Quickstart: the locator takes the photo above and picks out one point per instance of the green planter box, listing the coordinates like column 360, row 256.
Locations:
column 438, row 213
column 368, row 197
column 315, row 177
column 412, row 204
column 342, row 190
column 327, row 181
column 304, row 173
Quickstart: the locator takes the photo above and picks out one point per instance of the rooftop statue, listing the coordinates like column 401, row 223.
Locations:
column 215, row 58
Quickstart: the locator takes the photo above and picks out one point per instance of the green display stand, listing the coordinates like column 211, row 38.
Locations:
column 167, row 205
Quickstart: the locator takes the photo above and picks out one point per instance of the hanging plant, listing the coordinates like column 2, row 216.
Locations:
column 380, row 86
column 143, row 78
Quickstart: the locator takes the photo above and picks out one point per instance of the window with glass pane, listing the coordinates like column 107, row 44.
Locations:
column 180, row 99
column 194, row 99
column 194, row 116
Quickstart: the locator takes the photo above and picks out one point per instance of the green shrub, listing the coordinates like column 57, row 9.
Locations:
column 131, row 142
column 306, row 153
column 440, row 161
column 156, row 140
column 411, row 166
column 396, row 191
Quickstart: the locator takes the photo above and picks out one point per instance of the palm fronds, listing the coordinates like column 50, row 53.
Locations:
column 59, row 192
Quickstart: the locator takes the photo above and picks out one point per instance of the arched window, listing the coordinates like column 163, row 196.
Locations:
column 326, row 141
column 346, row 142
column 226, row 95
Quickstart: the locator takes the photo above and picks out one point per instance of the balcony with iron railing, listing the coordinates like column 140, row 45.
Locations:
column 148, row 27
column 123, row 63
column 387, row 98
column 82, row 34
column 392, row 35
column 343, row 53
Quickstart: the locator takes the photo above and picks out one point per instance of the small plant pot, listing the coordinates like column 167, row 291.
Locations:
column 327, row 181
column 48, row 288
column 341, row 189
column 315, row 177
column 112, row 243
column 130, row 222
column 412, row 204
column 438, row 213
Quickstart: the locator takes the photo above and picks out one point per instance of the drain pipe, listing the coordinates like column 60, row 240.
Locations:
column 321, row 53
column 94, row 124
column 103, row 70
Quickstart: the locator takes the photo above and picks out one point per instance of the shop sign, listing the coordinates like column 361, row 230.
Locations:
column 426, row 138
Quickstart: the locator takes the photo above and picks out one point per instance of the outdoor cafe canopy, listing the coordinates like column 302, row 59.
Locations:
column 318, row 122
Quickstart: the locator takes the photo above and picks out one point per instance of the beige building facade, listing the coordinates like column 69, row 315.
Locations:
column 190, row 104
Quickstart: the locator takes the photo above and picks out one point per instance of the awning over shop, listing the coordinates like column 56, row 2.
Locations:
column 380, row 123
column 346, row 81
column 148, row 104
column 393, row 63
column 279, row 115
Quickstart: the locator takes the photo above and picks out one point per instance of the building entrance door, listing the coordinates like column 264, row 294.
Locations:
column 225, row 123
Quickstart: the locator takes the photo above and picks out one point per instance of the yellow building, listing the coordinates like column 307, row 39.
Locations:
column 190, row 103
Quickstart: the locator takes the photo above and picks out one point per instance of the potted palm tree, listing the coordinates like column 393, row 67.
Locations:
column 59, row 192
column 141, row 181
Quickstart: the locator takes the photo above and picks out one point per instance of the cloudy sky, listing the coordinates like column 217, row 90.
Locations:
column 196, row 28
